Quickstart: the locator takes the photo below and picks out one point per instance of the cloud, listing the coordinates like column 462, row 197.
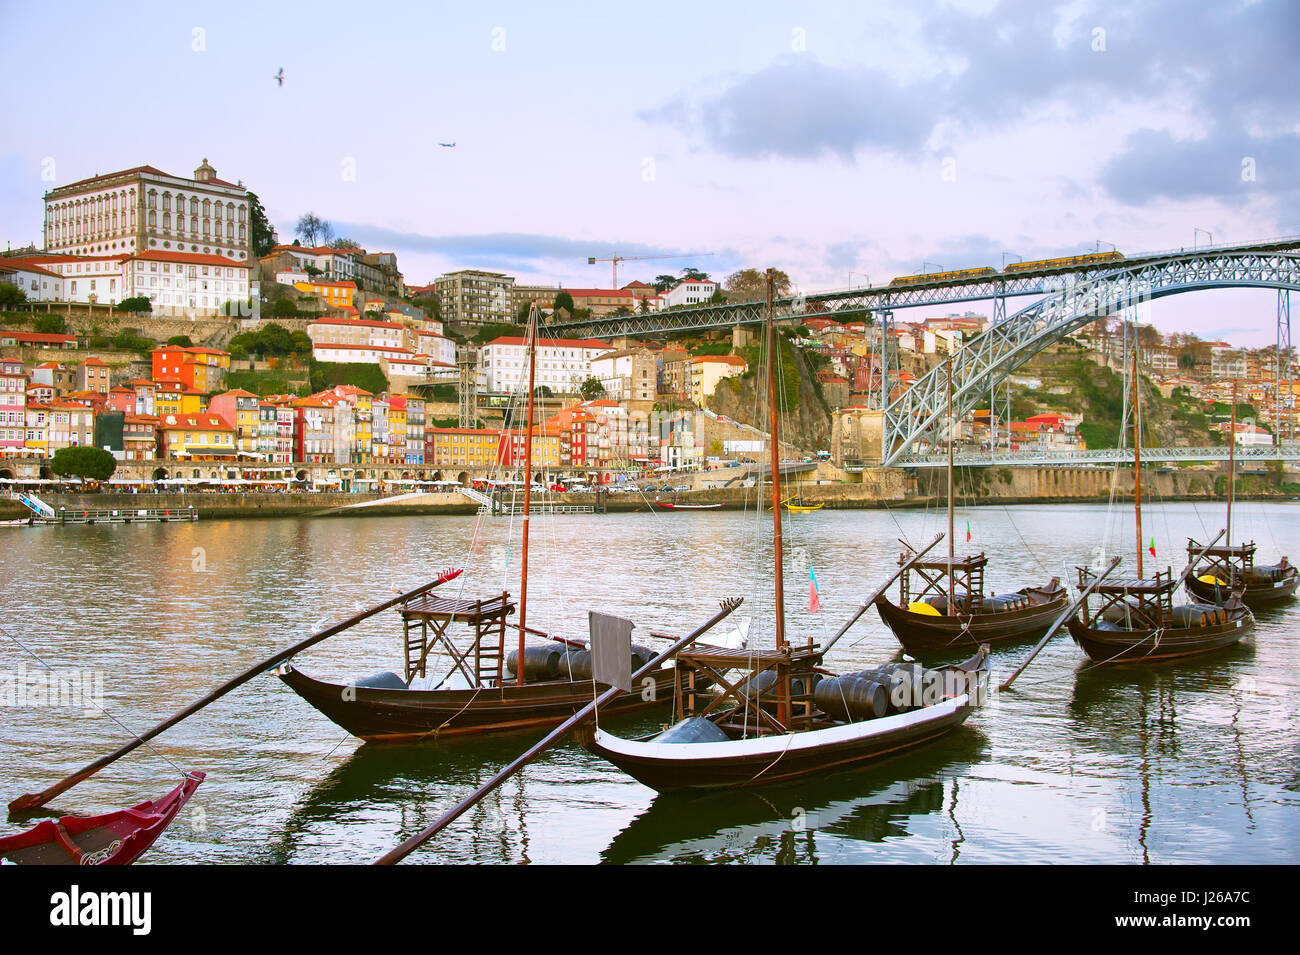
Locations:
column 1227, row 163
column 801, row 108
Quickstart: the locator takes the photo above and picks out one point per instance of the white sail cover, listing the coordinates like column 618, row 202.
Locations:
column 611, row 649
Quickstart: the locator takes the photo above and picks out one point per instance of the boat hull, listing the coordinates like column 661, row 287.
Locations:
column 1117, row 647
column 923, row 633
column 1253, row 595
column 768, row 760
column 115, row 838
column 409, row 715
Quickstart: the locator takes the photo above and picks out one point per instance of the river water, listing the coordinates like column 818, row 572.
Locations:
column 1180, row 763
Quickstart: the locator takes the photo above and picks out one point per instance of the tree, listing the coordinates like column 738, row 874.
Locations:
column 51, row 325
column 749, row 285
column 182, row 340
column 345, row 243
column 692, row 274
column 313, row 230
column 260, row 228
column 432, row 307
column 11, row 296
column 563, row 300
column 663, row 283
column 90, row 463
column 284, row 308
column 139, row 303
column 591, row 389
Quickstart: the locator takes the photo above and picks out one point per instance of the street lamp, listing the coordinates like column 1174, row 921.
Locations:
column 1196, row 232
column 1018, row 258
column 937, row 268
column 863, row 274
column 1101, row 242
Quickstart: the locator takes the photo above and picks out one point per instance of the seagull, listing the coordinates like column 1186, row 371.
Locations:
column 448, row 145
column 279, row 77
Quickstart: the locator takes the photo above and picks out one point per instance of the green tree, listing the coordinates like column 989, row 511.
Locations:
column 260, row 229
column 692, row 274
column 11, row 296
column 432, row 307
column 592, row 388
column 182, row 340
column 324, row 374
column 284, row 308
column 663, row 283
column 139, row 303
column 345, row 243
column 563, row 300
column 93, row 464
column 51, row 325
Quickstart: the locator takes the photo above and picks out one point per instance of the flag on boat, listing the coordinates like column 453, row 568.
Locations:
column 1152, row 546
column 968, row 532
column 814, row 595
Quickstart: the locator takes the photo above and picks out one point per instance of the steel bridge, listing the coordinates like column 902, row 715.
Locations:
column 1008, row 344
column 1096, row 457
column 856, row 302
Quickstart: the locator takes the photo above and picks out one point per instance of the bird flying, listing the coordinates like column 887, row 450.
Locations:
column 448, row 145
column 279, row 77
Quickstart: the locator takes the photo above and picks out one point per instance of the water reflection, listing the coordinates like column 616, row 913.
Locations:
column 783, row 824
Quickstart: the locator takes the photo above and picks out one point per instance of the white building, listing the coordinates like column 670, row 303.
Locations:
column 628, row 375
column 562, row 364
column 38, row 283
column 690, row 293
column 145, row 209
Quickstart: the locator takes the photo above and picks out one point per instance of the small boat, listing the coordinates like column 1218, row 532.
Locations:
column 668, row 505
column 927, row 620
column 1219, row 572
column 846, row 721
column 115, row 838
column 789, row 718
column 942, row 606
column 804, row 507
column 1136, row 622
column 1228, row 570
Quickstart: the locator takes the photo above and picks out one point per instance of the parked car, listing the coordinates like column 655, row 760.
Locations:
column 682, row 487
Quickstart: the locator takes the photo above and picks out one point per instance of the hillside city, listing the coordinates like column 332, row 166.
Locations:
column 163, row 320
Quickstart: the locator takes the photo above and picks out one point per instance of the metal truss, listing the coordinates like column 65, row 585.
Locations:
column 990, row 357
column 854, row 303
column 1100, row 456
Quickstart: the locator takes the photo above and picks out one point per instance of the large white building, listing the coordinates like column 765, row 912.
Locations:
column 145, row 209
column 562, row 365
column 690, row 292
column 176, row 283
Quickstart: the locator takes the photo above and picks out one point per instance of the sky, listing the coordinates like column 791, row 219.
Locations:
column 845, row 143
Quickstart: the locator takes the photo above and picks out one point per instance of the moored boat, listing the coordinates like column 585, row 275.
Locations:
column 114, row 838
column 1225, row 571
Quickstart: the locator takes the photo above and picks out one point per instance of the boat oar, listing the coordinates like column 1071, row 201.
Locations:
column 1066, row 614
column 550, row 739
column 31, row 801
column 879, row 593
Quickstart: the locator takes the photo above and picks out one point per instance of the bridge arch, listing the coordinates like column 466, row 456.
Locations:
column 993, row 355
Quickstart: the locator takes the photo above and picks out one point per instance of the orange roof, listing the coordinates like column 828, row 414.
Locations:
column 196, row 422
column 720, row 359
column 190, row 258
column 356, row 323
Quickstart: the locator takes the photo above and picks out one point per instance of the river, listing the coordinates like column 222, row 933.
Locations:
column 1193, row 762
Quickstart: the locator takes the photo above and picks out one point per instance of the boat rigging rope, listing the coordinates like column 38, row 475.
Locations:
column 101, row 709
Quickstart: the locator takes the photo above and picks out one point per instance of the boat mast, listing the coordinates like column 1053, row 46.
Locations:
column 1232, row 462
column 1137, row 456
column 528, row 491
column 952, row 547
column 775, row 454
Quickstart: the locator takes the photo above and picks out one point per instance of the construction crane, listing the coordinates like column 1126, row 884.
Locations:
column 592, row 260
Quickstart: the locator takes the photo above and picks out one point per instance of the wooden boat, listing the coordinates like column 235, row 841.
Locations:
column 1137, row 622
column 785, row 720
column 114, row 838
column 803, row 507
column 749, row 744
column 668, row 505
column 945, row 609
column 1229, row 570
column 925, row 621
column 482, row 689
column 1220, row 572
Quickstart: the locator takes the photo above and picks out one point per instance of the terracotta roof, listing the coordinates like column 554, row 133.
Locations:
column 191, row 258
column 196, row 422
column 356, row 323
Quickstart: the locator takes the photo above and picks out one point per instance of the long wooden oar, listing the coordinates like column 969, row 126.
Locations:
column 1066, row 614
column 904, row 568
column 550, row 739
column 32, row 801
